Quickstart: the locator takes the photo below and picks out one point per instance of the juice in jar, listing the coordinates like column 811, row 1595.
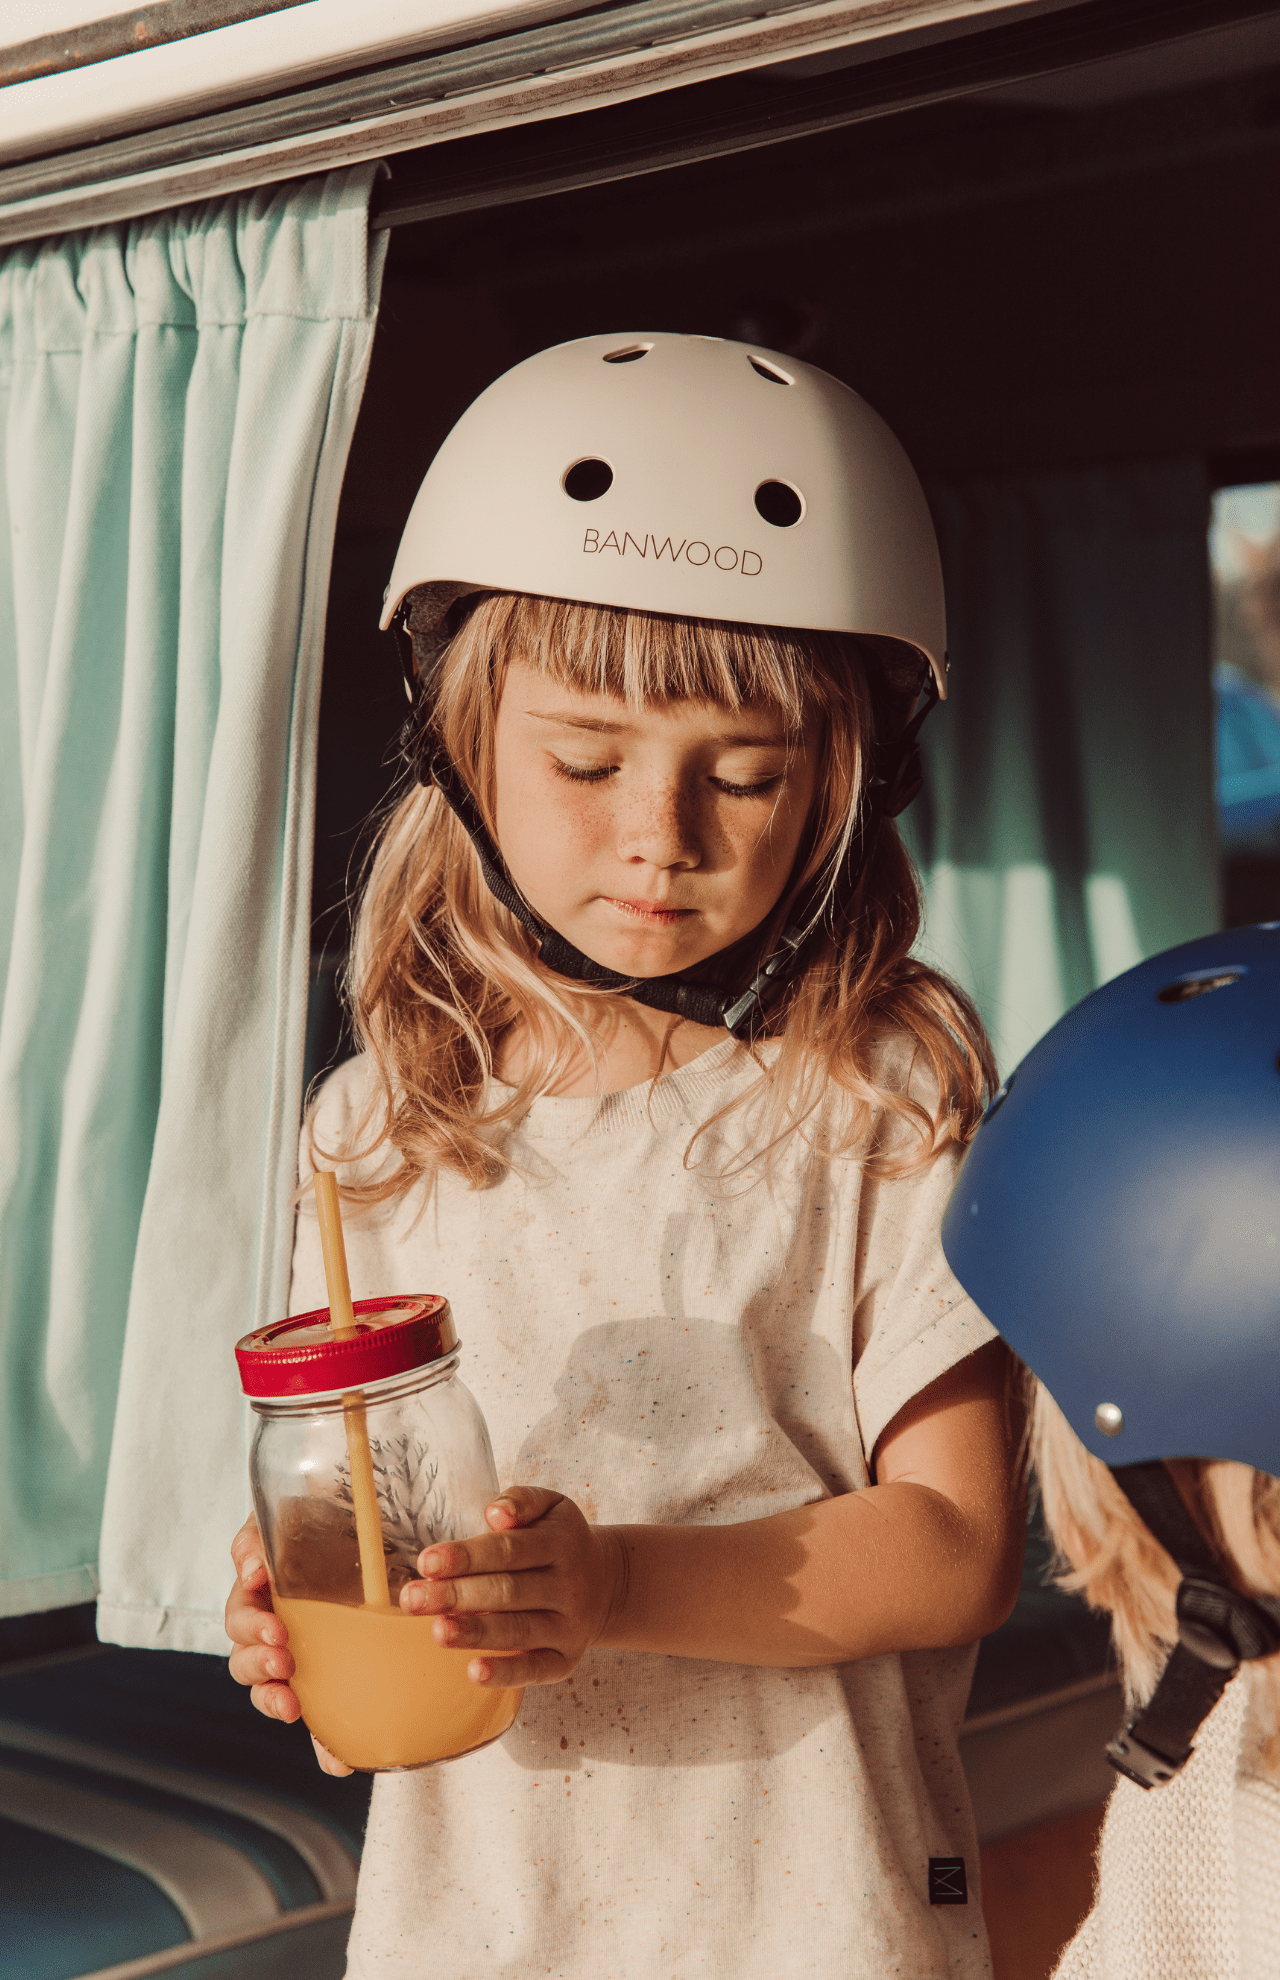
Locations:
column 378, row 1690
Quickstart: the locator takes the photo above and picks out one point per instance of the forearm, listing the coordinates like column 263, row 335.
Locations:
column 895, row 1567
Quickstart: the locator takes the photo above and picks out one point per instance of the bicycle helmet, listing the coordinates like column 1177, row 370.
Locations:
column 1117, row 1217
column 687, row 476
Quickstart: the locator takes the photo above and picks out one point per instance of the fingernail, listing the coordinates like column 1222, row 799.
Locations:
column 504, row 1506
column 251, row 1567
column 478, row 1671
column 414, row 1599
column 431, row 1562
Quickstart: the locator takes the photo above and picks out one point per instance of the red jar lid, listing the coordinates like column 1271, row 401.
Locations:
column 300, row 1357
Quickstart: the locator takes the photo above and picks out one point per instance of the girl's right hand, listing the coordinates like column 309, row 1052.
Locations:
column 261, row 1658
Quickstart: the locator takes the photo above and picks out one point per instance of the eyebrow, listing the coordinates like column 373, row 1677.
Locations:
column 733, row 738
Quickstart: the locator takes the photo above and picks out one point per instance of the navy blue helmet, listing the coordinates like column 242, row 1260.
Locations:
column 1117, row 1216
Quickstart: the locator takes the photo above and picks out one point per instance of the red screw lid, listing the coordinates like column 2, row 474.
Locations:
column 300, row 1357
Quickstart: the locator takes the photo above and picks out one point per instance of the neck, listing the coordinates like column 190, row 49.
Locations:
column 632, row 1044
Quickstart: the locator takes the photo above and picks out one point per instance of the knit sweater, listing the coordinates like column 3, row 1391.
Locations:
column 1188, row 1875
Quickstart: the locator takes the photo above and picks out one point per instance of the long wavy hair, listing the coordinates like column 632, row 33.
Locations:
column 1107, row 1554
column 439, row 969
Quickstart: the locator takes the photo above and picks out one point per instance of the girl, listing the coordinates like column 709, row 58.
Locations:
column 1134, row 1265
column 652, row 1087
column 1188, row 1874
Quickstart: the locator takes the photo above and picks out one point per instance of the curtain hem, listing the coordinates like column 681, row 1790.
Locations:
column 34, row 1594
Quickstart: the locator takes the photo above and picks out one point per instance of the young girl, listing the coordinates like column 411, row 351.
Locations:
column 1133, row 1263
column 653, row 1089
column 1188, row 1872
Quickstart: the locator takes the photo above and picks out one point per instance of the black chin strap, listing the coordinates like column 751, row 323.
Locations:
column 1218, row 1630
column 897, row 774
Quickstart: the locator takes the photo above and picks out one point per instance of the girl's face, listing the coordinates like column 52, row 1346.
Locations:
column 649, row 840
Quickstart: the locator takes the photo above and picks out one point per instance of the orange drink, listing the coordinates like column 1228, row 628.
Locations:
column 378, row 1690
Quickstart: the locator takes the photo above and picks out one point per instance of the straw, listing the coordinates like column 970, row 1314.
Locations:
column 342, row 1324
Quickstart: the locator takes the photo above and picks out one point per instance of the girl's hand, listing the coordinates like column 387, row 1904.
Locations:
column 261, row 1658
column 535, row 1591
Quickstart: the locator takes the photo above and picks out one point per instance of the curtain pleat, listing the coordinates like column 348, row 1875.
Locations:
column 178, row 400
column 1067, row 827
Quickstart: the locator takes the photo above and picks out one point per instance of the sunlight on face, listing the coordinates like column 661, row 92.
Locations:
column 649, row 840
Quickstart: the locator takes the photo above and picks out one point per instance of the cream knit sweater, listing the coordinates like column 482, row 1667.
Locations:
column 1188, row 1877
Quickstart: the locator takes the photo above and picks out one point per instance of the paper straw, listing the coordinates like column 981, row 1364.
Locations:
column 342, row 1324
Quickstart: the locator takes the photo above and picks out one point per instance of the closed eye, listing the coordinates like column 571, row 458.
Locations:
column 746, row 790
column 577, row 774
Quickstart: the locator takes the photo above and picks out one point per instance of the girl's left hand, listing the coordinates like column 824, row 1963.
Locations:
column 537, row 1589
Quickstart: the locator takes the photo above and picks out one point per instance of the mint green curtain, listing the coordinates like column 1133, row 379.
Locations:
column 1067, row 829
column 177, row 398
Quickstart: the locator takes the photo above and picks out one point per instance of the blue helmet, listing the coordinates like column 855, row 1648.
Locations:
column 1117, row 1217
column 1118, row 1214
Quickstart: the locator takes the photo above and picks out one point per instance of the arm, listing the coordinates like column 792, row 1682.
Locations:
column 928, row 1555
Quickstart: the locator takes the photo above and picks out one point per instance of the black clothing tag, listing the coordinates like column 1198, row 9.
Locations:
column 947, row 1884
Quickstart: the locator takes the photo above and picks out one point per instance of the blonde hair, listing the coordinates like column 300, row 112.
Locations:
column 440, row 969
column 1107, row 1554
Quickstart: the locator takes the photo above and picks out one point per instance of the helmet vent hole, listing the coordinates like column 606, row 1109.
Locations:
column 774, row 374
column 779, row 503
column 587, row 481
column 628, row 354
column 1197, row 986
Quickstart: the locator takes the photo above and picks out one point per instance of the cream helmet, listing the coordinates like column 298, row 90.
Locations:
column 696, row 478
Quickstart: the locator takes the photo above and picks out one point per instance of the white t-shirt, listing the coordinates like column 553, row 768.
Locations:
column 665, row 1349
column 1189, row 1873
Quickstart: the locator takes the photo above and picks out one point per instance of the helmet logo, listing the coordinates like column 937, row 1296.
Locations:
column 694, row 551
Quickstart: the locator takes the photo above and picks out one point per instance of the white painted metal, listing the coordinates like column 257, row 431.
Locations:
column 289, row 1922
column 214, row 1887
column 228, row 64
column 158, row 86
column 321, row 1848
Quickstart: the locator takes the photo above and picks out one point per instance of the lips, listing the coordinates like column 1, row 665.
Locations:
column 650, row 911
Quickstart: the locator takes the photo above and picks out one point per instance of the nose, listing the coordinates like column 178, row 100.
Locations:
column 659, row 828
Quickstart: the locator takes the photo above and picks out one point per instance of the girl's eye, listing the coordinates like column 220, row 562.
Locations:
column 746, row 790
column 592, row 774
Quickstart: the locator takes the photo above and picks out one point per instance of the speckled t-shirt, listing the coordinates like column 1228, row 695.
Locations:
column 667, row 1348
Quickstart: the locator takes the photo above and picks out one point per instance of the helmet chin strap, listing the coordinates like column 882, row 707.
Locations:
column 1218, row 1630
column 897, row 775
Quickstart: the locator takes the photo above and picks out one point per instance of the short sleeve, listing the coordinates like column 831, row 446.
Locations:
column 913, row 1319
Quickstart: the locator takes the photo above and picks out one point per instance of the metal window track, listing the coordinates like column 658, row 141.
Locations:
column 458, row 108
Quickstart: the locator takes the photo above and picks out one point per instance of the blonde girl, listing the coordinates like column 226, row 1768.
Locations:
column 1119, row 1217
column 653, row 1087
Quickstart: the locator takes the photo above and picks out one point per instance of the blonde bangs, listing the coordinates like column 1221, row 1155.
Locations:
column 645, row 659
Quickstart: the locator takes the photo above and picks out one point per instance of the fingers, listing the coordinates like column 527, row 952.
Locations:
column 261, row 1663
column 275, row 1701
column 328, row 1762
column 534, row 1588
column 512, row 1551
column 512, row 1673
column 520, row 1505
column 248, row 1556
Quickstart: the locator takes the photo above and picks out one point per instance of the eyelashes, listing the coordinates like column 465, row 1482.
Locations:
column 576, row 775
column 600, row 773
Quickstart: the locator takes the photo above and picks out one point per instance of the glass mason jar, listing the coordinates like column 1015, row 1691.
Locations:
column 370, row 1438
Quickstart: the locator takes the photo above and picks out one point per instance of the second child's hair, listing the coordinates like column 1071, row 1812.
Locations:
column 440, row 969
column 1107, row 1555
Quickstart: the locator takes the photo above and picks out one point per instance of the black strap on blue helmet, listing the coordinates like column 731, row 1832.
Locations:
column 1218, row 1630
column 897, row 775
